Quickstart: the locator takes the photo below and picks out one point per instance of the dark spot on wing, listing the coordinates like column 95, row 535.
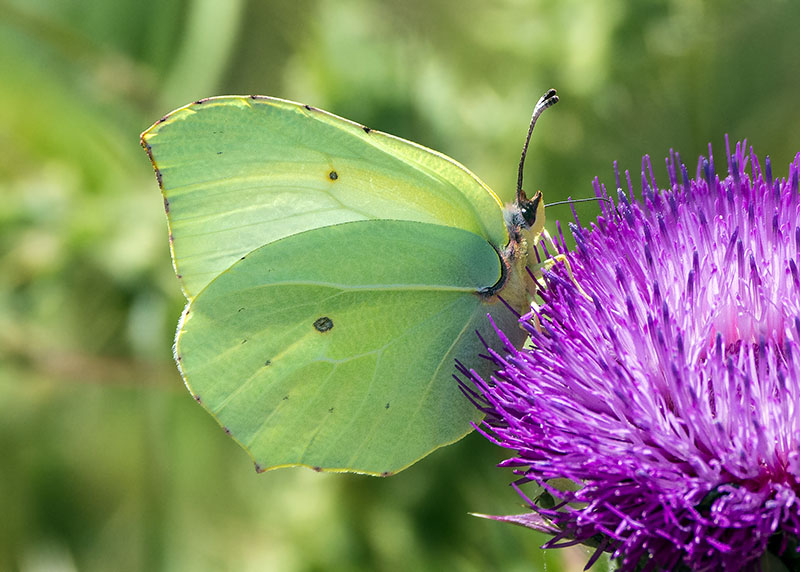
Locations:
column 323, row 324
column 387, row 473
column 180, row 276
column 318, row 469
column 259, row 468
column 366, row 129
column 171, row 238
column 227, row 431
column 166, row 204
column 242, row 258
column 199, row 101
column 197, row 399
column 308, row 107
column 333, row 175
column 159, row 178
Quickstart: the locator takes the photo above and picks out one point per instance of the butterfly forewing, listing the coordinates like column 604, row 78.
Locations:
column 240, row 172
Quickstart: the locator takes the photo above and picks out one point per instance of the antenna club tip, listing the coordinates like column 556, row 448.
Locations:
column 547, row 100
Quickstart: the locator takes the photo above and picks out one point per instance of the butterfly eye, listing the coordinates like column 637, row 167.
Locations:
column 529, row 208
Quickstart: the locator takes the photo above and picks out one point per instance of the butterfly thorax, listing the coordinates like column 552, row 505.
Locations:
column 525, row 220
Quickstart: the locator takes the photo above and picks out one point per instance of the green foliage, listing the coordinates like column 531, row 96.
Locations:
column 106, row 461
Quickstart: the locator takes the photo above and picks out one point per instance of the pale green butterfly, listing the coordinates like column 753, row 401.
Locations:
column 334, row 274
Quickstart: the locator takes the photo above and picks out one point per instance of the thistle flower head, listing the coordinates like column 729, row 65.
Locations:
column 668, row 399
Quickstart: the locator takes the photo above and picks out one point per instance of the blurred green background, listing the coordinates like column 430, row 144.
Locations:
column 105, row 460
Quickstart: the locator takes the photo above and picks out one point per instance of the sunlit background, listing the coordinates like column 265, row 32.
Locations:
column 106, row 463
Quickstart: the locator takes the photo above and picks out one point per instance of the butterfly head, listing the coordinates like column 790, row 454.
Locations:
column 525, row 217
column 532, row 212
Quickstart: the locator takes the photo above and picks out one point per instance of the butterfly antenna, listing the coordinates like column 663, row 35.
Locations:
column 586, row 200
column 548, row 99
column 573, row 201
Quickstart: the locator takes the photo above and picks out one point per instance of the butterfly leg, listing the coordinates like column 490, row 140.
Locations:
column 537, row 269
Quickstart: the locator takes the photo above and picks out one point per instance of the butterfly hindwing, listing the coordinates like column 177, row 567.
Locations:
column 334, row 347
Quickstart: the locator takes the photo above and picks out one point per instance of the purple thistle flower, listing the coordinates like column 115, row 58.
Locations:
column 660, row 415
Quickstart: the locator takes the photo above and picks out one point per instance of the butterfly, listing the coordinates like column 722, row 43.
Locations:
column 333, row 276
